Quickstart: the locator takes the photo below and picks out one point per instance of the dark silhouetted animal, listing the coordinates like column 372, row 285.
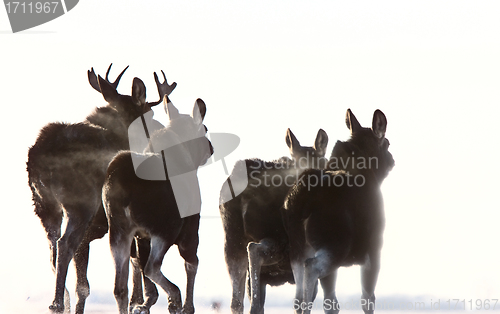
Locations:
column 148, row 209
column 335, row 217
column 66, row 169
column 255, row 238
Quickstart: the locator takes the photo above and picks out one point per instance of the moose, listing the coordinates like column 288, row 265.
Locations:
column 335, row 218
column 150, row 209
column 255, row 238
column 66, row 171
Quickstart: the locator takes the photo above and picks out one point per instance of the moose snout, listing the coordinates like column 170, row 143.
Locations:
column 391, row 162
column 209, row 152
column 211, row 148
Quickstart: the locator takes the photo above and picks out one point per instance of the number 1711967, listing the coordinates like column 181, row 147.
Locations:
column 478, row 304
column 29, row 7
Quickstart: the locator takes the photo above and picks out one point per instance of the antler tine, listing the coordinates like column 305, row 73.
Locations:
column 107, row 72
column 95, row 83
column 163, row 88
column 93, row 80
column 117, row 81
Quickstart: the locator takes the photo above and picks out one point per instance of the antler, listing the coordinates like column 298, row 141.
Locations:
column 94, row 82
column 163, row 89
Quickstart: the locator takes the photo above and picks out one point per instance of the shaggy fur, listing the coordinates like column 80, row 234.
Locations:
column 148, row 210
column 339, row 220
column 66, row 170
column 255, row 238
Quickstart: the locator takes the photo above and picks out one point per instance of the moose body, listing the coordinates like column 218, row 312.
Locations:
column 255, row 238
column 66, row 170
column 339, row 220
column 148, row 210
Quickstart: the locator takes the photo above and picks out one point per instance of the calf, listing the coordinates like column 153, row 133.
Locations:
column 155, row 208
column 255, row 238
column 66, row 170
column 335, row 217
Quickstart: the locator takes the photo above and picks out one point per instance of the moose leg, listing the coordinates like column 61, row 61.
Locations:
column 120, row 242
column 142, row 249
column 191, row 266
column 265, row 252
column 262, row 295
column 97, row 229
column 298, row 274
column 159, row 247
column 330, row 303
column 53, row 234
column 78, row 220
column 151, row 293
column 53, row 253
column 369, row 275
column 298, row 254
column 320, row 266
column 137, row 293
column 81, row 260
column 50, row 215
column 237, row 264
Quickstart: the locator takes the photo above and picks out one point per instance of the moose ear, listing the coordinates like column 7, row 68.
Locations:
column 170, row 109
column 138, row 91
column 291, row 140
column 351, row 122
column 379, row 123
column 321, row 142
column 199, row 111
column 108, row 91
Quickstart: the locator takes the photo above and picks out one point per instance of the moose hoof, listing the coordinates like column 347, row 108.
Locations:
column 175, row 304
column 174, row 309
column 188, row 309
column 56, row 308
column 139, row 309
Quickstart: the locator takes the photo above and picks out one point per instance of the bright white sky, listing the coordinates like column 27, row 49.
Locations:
column 265, row 66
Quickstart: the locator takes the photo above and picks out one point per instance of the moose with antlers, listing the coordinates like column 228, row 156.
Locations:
column 66, row 170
